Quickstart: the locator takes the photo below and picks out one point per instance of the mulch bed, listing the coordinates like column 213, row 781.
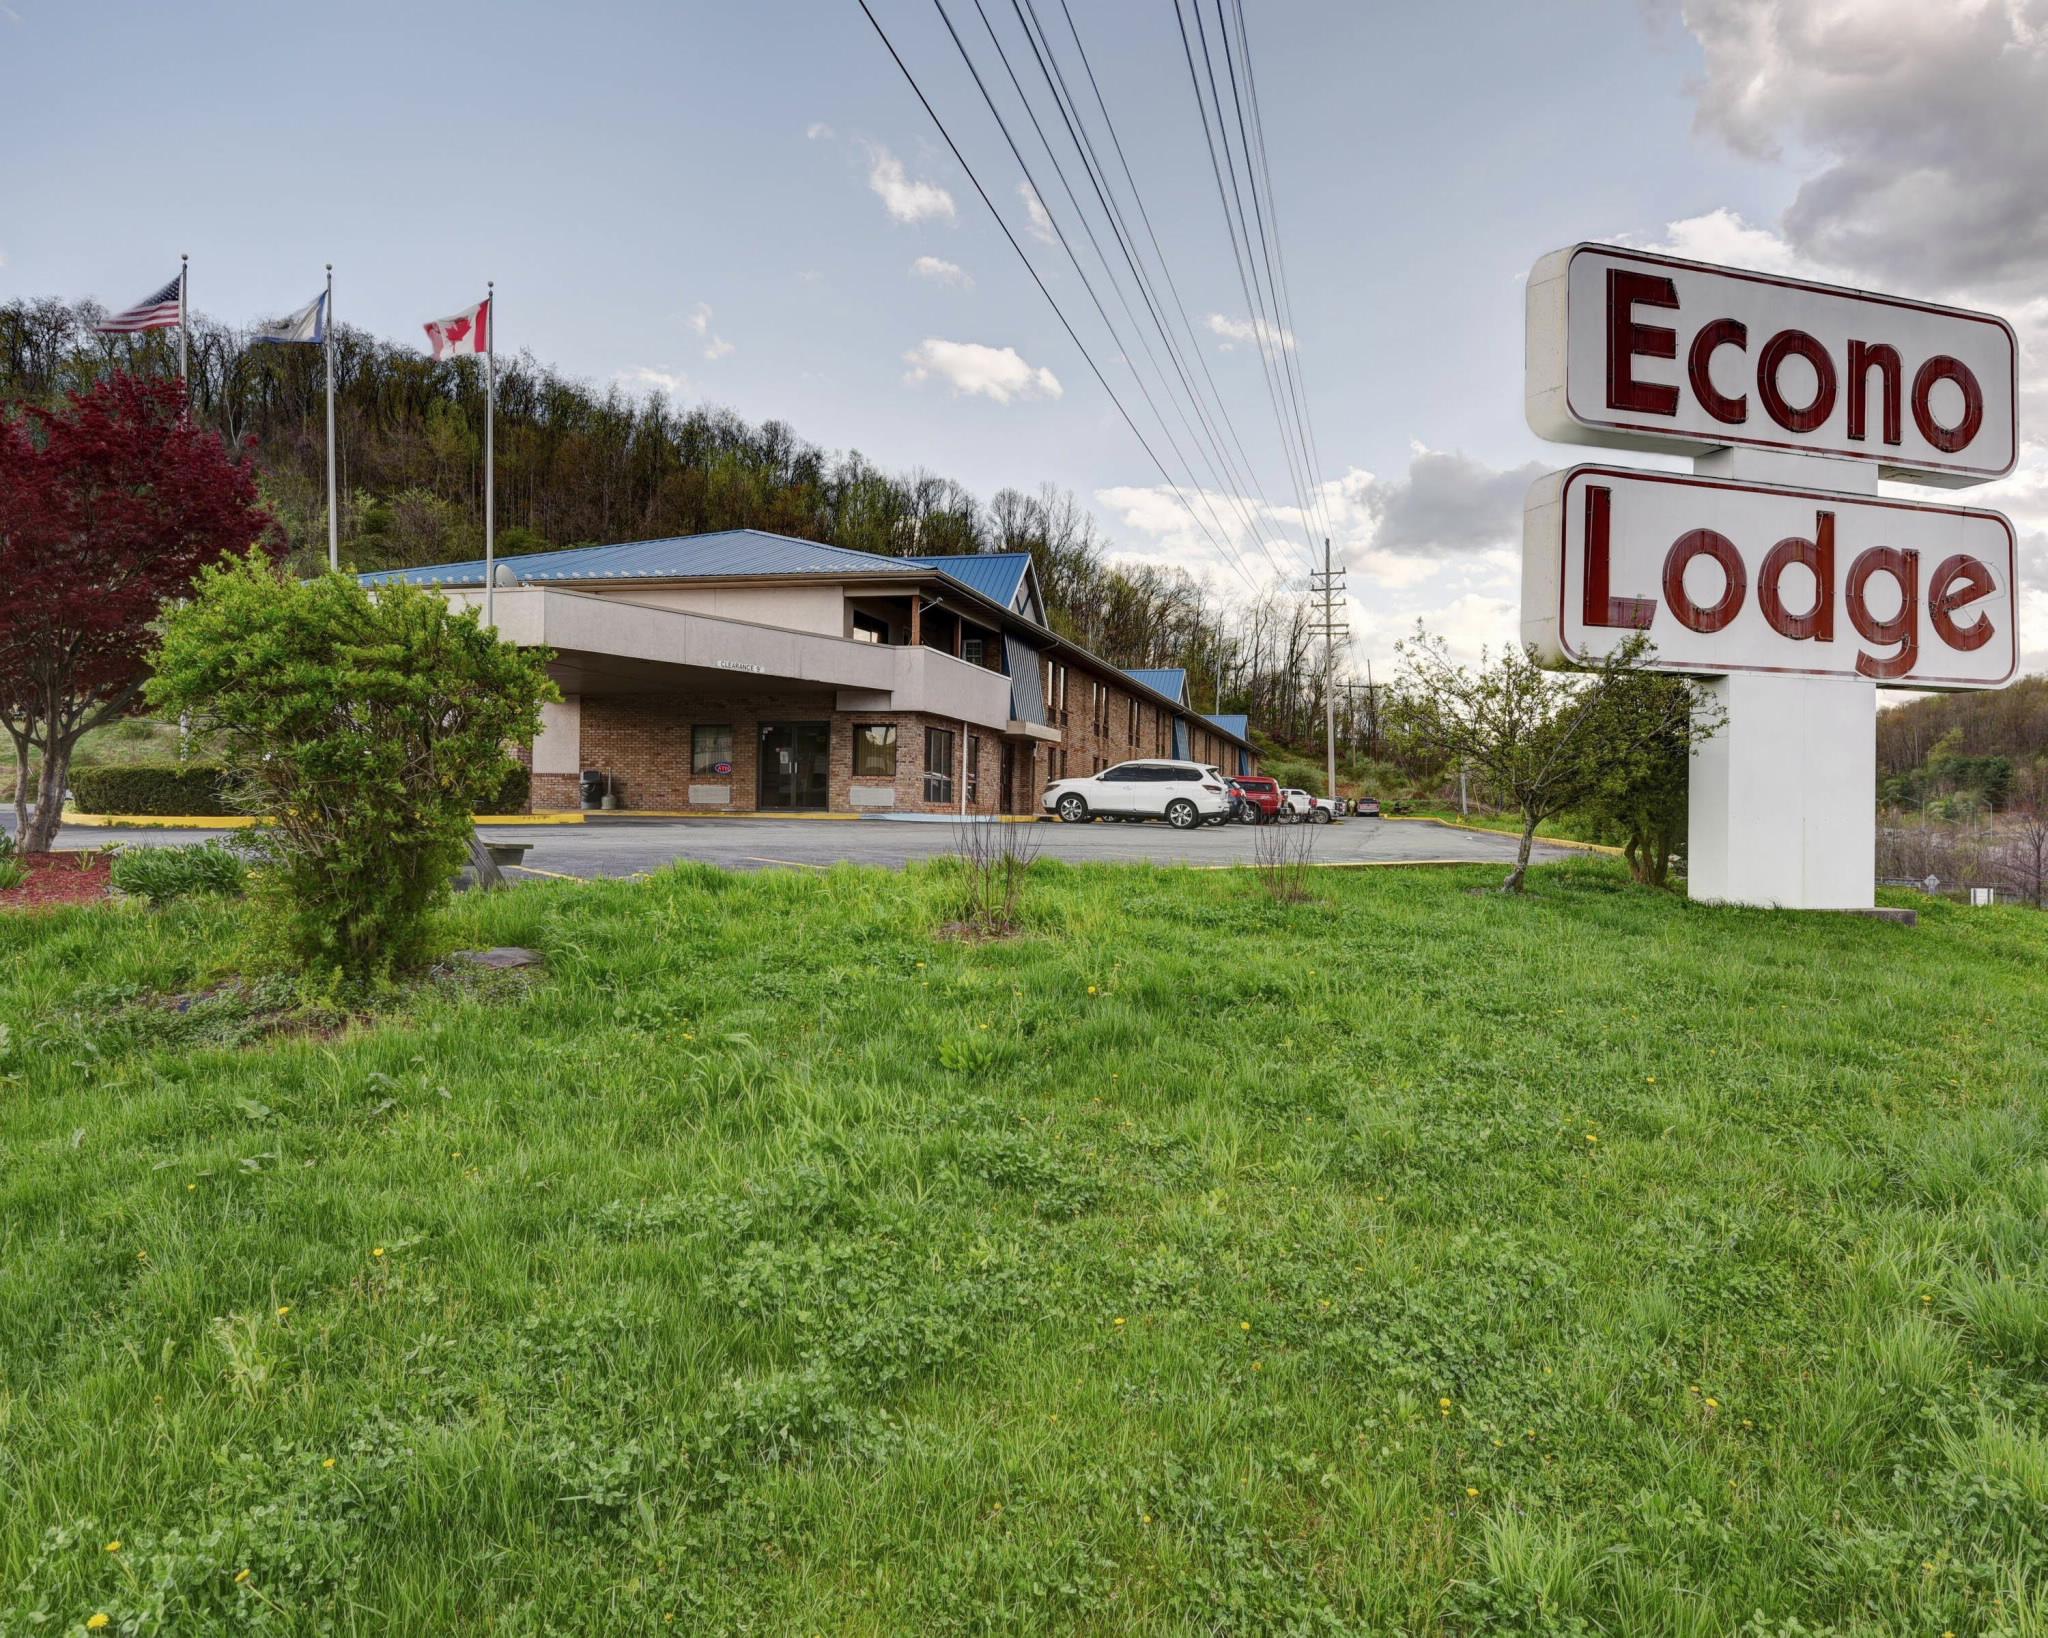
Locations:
column 58, row 878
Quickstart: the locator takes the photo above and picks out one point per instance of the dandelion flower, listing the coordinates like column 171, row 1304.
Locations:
column 1119, row 1319
column 283, row 1309
column 1592, row 1137
column 1713, row 1403
column 1472, row 1491
column 1092, row 990
column 113, row 1546
column 1244, row 1325
column 96, row 1620
column 376, row 1251
column 241, row 1576
column 1443, row 1404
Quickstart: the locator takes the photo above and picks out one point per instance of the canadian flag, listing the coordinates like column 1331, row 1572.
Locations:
column 468, row 331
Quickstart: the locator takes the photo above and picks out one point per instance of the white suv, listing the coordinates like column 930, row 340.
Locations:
column 1184, row 794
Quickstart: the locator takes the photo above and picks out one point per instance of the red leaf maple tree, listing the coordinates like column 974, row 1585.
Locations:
column 109, row 505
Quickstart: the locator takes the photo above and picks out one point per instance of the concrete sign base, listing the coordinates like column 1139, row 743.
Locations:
column 1783, row 797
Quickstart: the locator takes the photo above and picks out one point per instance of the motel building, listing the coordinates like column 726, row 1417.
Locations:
column 744, row 671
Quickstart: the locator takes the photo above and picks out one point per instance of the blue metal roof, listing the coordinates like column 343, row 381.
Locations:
column 1232, row 723
column 1172, row 682
column 996, row 575
column 681, row 557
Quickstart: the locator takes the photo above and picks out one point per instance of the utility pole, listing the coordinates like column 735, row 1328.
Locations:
column 1327, row 591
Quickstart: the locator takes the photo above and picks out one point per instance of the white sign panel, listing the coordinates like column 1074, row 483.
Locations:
column 1725, row 577
column 1633, row 350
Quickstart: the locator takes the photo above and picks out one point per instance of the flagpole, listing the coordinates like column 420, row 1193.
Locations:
column 490, row 454
column 184, row 329
column 333, row 516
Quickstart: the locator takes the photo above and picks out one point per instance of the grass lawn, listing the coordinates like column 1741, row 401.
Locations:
column 137, row 739
column 1413, row 1260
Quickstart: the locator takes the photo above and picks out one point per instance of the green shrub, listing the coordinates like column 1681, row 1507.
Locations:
column 152, row 788
column 513, row 792
column 12, row 873
column 372, row 725
column 161, row 874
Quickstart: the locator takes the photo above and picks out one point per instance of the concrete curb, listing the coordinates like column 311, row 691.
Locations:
column 1488, row 830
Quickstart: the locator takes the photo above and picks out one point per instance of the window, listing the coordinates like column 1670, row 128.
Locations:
column 869, row 628
column 711, row 749
column 973, row 769
column 938, row 764
column 970, row 650
column 874, row 750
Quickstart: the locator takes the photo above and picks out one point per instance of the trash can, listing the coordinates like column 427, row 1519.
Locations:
column 593, row 788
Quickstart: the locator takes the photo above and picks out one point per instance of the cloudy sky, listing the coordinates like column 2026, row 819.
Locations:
column 747, row 205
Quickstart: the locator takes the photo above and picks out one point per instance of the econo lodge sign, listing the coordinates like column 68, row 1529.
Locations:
column 1724, row 576
column 1634, row 350
column 1819, row 578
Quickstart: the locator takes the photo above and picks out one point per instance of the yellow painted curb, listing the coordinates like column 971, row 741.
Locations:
column 218, row 821
column 155, row 821
column 601, row 814
column 549, row 817
column 1361, row 864
column 1488, row 830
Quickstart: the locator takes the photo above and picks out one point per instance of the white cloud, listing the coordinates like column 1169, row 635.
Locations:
column 1040, row 218
column 1234, row 330
column 1927, row 119
column 974, row 370
column 1449, row 502
column 646, row 378
column 904, row 199
column 1722, row 236
column 715, row 345
column 941, row 271
column 818, row 130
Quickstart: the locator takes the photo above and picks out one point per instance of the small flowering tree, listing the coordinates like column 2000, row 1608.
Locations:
column 109, row 505
column 365, row 726
column 1547, row 740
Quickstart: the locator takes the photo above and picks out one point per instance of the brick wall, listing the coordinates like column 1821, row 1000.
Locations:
column 1102, row 729
column 643, row 742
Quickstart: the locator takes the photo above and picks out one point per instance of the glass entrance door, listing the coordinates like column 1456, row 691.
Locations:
column 796, row 764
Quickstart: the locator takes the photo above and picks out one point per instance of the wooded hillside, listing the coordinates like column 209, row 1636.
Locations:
column 579, row 466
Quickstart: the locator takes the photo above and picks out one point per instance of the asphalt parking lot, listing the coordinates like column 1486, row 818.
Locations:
column 629, row 847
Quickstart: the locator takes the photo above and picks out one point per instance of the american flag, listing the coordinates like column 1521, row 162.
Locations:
column 156, row 311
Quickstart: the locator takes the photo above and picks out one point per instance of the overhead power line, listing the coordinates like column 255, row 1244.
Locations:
column 1096, row 244
column 1236, row 227
column 1106, row 188
column 1036, row 278
column 1280, row 256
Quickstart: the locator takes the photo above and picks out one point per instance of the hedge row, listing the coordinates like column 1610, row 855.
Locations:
column 151, row 788
column 512, row 795
column 199, row 789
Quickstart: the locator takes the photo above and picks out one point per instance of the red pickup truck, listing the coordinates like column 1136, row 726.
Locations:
column 1258, row 799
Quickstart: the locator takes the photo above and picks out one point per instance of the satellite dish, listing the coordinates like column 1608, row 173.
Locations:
column 506, row 576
